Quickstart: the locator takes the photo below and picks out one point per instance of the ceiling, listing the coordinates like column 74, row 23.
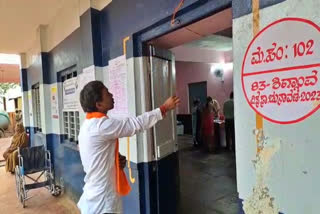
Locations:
column 19, row 20
column 208, row 40
column 219, row 24
column 213, row 42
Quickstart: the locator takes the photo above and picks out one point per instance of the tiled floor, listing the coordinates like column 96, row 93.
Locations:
column 207, row 181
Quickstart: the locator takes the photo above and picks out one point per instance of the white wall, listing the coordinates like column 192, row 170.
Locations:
column 100, row 4
column 287, row 169
column 192, row 54
column 12, row 93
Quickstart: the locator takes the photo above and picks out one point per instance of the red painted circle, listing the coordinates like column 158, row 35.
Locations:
column 312, row 24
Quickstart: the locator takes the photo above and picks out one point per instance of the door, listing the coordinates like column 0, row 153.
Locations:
column 162, row 86
column 197, row 90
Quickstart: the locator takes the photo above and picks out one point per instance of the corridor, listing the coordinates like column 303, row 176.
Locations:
column 207, row 181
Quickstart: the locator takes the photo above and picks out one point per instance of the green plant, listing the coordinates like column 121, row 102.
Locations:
column 4, row 87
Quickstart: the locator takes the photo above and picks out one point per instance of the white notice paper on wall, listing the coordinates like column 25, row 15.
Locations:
column 118, row 85
column 70, row 98
column 54, row 103
column 88, row 75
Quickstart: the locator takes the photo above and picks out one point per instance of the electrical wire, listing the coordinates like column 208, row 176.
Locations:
column 176, row 11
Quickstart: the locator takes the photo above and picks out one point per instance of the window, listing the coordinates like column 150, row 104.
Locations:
column 36, row 107
column 71, row 119
column 15, row 103
column 71, row 124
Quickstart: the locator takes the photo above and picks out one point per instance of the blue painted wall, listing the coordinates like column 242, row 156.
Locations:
column 125, row 17
column 24, row 79
column 144, row 20
column 98, row 40
column 76, row 49
column 96, row 36
column 158, row 182
column 67, row 165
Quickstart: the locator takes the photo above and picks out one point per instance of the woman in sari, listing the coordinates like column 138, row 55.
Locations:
column 207, row 125
column 19, row 140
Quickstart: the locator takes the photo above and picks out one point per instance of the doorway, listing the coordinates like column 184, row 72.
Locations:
column 204, row 67
column 197, row 92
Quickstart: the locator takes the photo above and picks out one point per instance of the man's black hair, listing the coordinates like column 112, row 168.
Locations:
column 90, row 95
column 231, row 95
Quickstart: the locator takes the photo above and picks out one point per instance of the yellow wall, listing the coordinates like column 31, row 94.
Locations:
column 20, row 103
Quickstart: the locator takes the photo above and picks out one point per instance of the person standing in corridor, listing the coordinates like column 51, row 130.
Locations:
column 207, row 127
column 228, row 110
column 196, row 122
column 105, row 181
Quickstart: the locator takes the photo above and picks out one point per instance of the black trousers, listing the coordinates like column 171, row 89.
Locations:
column 230, row 136
column 217, row 141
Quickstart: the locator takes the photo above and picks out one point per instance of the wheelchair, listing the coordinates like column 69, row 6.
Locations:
column 33, row 160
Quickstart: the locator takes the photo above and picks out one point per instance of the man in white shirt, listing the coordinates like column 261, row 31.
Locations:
column 98, row 146
column 228, row 110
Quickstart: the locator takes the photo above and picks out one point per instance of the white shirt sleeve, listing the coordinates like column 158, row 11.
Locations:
column 115, row 128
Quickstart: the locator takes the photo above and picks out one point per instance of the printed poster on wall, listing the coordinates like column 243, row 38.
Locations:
column 280, row 71
column 87, row 75
column 70, row 98
column 54, row 103
column 118, row 85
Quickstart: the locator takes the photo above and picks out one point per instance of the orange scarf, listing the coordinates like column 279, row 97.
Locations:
column 123, row 188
